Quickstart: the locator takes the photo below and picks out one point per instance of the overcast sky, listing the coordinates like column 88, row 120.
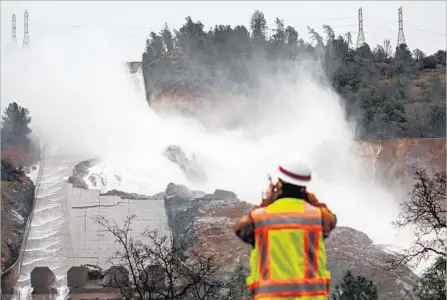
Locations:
column 132, row 21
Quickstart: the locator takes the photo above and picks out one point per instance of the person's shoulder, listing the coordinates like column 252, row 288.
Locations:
column 257, row 212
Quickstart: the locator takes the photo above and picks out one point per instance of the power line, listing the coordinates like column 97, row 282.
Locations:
column 89, row 26
column 412, row 36
column 418, row 29
column 158, row 28
column 135, row 35
column 59, row 25
column 155, row 28
column 389, row 37
column 429, row 31
column 330, row 19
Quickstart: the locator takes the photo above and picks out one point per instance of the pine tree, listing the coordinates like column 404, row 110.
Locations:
column 279, row 38
column 17, row 117
column 157, row 45
column 258, row 25
column 168, row 39
column 15, row 129
column 355, row 288
column 237, row 286
column 432, row 284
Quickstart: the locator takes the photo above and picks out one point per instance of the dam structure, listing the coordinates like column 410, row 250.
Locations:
column 89, row 243
column 63, row 232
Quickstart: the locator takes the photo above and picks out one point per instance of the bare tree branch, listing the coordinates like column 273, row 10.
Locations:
column 155, row 270
column 426, row 213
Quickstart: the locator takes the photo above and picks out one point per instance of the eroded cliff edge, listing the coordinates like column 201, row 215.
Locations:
column 17, row 196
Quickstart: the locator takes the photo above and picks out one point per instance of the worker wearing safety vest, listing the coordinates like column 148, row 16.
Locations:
column 287, row 233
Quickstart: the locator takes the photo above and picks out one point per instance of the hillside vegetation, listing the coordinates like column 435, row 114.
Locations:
column 389, row 92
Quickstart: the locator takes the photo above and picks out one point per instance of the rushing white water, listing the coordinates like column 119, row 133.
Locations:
column 23, row 293
column 48, row 240
column 62, row 293
column 81, row 97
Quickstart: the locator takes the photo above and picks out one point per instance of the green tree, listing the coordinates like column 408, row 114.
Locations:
column 9, row 172
column 418, row 55
column 330, row 35
column 364, row 51
column 167, row 38
column 258, row 25
column 440, row 56
column 15, row 126
column 354, row 288
column 430, row 62
column 149, row 53
column 388, row 49
column 348, row 38
column 237, row 288
column 403, row 60
column 437, row 119
column 291, row 36
column 279, row 38
column 191, row 37
column 432, row 285
column 381, row 87
column 316, row 37
column 157, row 45
column 379, row 54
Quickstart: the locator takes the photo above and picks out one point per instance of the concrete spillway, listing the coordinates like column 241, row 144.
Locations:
column 63, row 233
column 90, row 245
column 48, row 240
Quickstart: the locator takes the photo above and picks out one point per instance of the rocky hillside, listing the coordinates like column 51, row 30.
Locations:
column 17, row 198
column 206, row 221
column 350, row 249
column 391, row 161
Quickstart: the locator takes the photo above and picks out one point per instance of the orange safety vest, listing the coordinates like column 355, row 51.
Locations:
column 289, row 257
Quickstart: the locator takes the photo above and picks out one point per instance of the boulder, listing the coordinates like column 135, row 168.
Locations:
column 190, row 167
column 80, row 171
column 94, row 272
column 115, row 277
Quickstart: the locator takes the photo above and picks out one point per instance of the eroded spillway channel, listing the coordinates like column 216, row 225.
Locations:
column 48, row 240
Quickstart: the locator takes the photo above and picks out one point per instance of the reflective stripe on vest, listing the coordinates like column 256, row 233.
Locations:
column 310, row 222
column 293, row 289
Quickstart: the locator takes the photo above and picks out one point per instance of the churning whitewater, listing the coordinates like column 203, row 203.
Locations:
column 81, row 97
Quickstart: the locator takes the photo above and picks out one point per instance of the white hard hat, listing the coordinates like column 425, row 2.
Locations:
column 297, row 172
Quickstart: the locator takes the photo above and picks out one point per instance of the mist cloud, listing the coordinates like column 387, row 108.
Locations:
column 82, row 98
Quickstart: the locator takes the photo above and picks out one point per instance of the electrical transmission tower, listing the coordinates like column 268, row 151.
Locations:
column 25, row 30
column 14, row 29
column 400, row 34
column 361, row 35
